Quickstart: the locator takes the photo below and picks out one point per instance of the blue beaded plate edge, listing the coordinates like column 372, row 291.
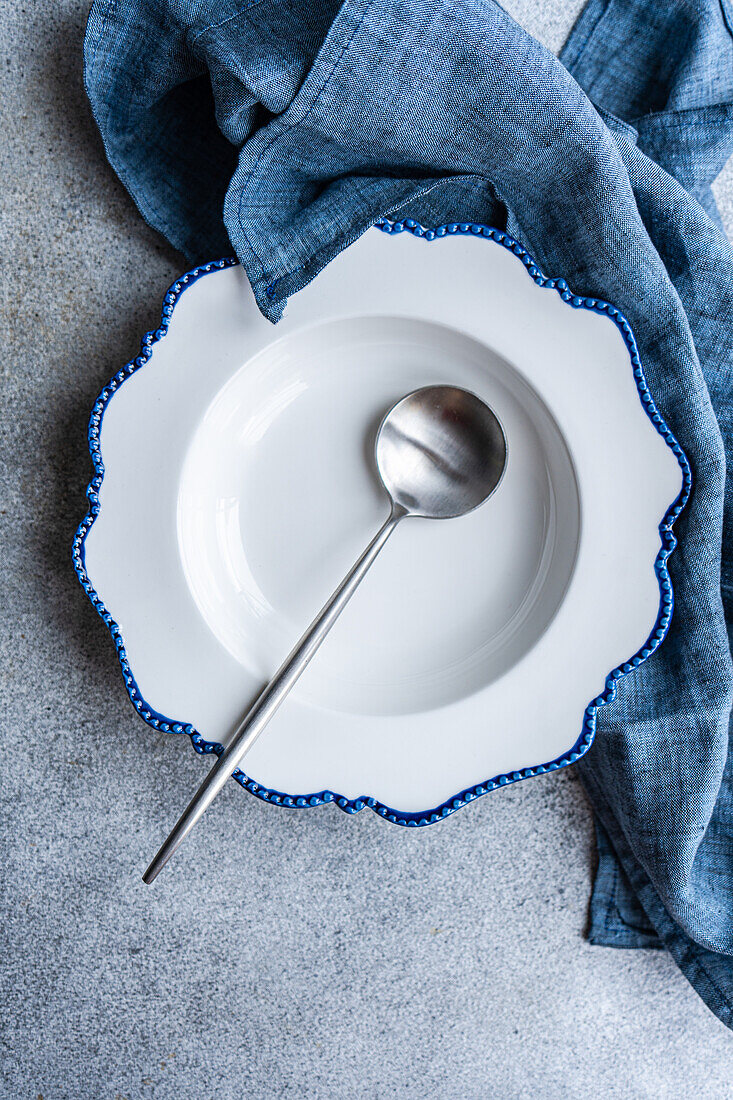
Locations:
column 668, row 542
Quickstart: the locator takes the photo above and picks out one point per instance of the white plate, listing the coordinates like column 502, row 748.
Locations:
column 238, row 487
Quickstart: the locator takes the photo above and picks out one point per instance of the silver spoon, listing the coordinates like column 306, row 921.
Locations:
column 440, row 453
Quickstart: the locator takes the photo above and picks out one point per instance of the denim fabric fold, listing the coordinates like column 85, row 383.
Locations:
column 296, row 125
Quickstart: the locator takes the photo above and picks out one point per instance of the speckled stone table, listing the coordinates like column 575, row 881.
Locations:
column 313, row 954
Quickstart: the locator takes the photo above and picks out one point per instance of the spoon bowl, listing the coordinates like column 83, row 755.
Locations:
column 441, row 452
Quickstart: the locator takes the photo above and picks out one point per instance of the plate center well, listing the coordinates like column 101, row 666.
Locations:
column 279, row 494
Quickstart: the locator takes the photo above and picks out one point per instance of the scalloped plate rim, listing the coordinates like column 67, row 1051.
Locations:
column 470, row 794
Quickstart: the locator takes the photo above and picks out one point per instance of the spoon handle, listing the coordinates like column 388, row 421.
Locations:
column 271, row 697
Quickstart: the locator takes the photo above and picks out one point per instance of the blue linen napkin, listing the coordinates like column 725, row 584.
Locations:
column 305, row 121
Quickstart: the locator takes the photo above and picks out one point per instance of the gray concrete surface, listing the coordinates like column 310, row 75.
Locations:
column 310, row 954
